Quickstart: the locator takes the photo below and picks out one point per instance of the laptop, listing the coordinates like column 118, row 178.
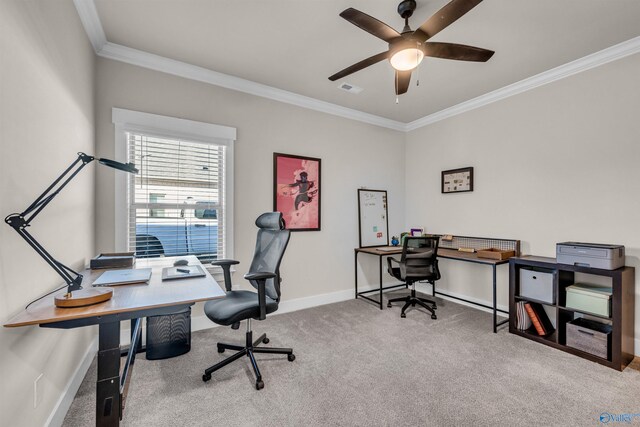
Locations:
column 123, row 277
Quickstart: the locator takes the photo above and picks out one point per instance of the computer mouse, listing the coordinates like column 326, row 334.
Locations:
column 180, row 262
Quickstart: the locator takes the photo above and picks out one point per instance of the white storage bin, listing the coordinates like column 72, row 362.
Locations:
column 538, row 285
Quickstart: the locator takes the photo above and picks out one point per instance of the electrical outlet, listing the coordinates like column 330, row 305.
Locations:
column 36, row 398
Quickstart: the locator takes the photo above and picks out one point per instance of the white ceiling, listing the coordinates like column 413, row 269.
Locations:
column 295, row 45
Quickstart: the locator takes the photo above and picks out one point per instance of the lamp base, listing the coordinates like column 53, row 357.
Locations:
column 83, row 297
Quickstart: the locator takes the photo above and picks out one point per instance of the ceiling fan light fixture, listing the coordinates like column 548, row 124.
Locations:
column 406, row 59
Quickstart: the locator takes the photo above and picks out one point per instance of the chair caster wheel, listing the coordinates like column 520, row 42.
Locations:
column 388, row 305
column 206, row 377
column 403, row 315
column 434, row 317
column 265, row 340
column 291, row 357
column 220, row 349
column 259, row 385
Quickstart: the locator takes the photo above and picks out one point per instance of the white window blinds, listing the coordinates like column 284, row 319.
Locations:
column 176, row 202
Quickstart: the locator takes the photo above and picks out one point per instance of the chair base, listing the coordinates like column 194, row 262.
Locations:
column 412, row 300
column 249, row 349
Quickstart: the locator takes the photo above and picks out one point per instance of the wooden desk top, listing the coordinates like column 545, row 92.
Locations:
column 392, row 250
column 127, row 298
column 442, row 253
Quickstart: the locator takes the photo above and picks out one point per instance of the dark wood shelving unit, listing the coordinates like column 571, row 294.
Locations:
column 586, row 313
column 622, row 308
column 520, row 298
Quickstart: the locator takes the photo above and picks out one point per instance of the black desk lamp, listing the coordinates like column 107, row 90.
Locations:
column 74, row 297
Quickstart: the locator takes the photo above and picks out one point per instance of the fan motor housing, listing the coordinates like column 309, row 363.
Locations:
column 406, row 8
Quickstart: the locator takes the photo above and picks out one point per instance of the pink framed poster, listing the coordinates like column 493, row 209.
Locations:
column 296, row 191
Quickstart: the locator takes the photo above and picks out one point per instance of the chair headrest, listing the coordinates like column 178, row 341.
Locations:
column 270, row 221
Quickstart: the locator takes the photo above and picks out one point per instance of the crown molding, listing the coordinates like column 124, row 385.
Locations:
column 93, row 27
column 91, row 22
column 182, row 69
column 588, row 62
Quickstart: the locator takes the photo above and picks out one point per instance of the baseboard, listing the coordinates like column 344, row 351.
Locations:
column 56, row 418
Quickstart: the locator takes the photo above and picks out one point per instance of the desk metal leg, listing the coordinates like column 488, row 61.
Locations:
column 356, row 270
column 495, row 302
column 380, row 258
column 108, row 383
column 380, row 289
column 124, row 350
column 495, row 305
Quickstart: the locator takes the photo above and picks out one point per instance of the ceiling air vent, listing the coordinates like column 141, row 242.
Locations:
column 350, row 88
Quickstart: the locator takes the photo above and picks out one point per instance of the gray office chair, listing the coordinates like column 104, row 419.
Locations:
column 264, row 275
column 418, row 263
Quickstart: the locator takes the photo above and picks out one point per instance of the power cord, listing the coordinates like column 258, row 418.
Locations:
column 45, row 295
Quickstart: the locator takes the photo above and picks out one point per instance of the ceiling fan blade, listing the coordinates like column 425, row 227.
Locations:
column 370, row 24
column 360, row 65
column 459, row 52
column 402, row 81
column 444, row 17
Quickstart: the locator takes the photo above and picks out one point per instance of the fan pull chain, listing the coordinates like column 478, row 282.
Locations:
column 397, row 99
column 418, row 70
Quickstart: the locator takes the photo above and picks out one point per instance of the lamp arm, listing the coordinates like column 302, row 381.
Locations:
column 20, row 221
column 72, row 278
column 49, row 194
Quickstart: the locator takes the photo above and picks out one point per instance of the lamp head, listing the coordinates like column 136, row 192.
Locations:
column 126, row 167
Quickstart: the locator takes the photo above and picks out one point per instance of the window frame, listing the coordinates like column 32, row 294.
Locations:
column 170, row 127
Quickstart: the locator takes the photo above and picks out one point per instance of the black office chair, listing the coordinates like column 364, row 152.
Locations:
column 418, row 263
column 264, row 275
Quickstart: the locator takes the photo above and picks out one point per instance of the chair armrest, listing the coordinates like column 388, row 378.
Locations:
column 223, row 262
column 261, row 275
column 436, row 270
column 390, row 266
column 226, row 269
column 259, row 280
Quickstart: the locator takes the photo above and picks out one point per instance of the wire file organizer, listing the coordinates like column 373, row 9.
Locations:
column 480, row 243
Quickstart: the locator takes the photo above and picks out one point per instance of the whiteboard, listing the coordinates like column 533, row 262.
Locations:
column 373, row 219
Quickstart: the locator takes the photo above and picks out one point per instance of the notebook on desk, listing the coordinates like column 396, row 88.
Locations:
column 182, row 272
column 123, row 277
column 389, row 248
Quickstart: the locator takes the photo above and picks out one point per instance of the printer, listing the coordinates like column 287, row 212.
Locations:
column 593, row 255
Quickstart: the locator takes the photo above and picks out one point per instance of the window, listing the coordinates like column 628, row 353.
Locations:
column 180, row 201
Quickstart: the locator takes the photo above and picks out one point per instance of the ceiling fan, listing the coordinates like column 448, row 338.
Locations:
column 407, row 49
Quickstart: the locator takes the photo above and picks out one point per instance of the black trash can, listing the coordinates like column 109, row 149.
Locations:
column 169, row 335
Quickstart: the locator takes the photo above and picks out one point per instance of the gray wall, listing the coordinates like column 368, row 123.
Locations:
column 46, row 116
column 353, row 155
column 554, row 164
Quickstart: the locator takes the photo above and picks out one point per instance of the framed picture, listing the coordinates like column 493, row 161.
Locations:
column 457, row 180
column 296, row 191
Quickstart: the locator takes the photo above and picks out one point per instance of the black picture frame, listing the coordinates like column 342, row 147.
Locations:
column 360, row 213
column 316, row 189
column 446, row 178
